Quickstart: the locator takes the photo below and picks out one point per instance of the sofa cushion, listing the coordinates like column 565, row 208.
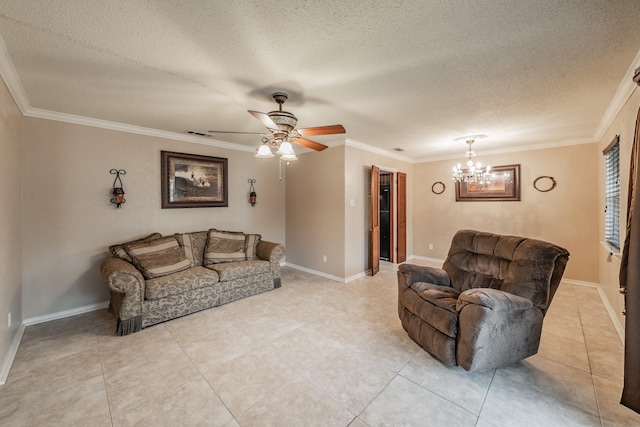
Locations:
column 435, row 305
column 180, row 282
column 193, row 245
column 237, row 270
column 158, row 257
column 251, row 246
column 119, row 250
column 224, row 246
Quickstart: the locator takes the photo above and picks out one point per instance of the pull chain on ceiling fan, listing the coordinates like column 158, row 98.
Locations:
column 282, row 128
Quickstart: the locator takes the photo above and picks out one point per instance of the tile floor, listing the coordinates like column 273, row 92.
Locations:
column 312, row 353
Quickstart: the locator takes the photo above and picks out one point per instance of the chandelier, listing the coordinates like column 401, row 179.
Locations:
column 474, row 172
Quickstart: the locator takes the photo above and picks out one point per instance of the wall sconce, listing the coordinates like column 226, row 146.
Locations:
column 118, row 192
column 252, row 192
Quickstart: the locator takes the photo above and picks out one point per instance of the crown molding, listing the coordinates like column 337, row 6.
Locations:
column 10, row 77
column 518, row 149
column 625, row 89
column 122, row 127
column 376, row 150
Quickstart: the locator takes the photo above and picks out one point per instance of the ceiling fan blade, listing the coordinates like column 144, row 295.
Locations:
column 231, row 131
column 308, row 143
column 321, row 130
column 265, row 120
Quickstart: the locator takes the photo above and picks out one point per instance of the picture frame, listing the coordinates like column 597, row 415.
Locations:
column 505, row 187
column 193, row 181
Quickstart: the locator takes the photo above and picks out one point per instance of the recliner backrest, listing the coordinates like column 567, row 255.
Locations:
column 522, row 266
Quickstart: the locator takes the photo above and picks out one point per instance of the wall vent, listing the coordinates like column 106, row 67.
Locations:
column 196, row 133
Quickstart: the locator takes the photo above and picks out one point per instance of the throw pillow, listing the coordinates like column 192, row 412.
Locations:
column 224, row 246
column 119, row 250
column 251, row 246
column 158, row 258
column 193, row 245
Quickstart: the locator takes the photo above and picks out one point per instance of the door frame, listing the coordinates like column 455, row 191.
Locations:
column 374, row 264
column 392, row 214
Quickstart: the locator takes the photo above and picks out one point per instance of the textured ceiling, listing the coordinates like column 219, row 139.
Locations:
column 413, row 74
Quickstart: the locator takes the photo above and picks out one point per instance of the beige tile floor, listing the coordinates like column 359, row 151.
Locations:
column 313, row 353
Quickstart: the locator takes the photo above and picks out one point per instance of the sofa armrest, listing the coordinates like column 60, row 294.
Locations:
column 272, row 252
column 127, row 287
column 121, row 276
column 495, row 328
column 493, row 299
column 410, row 273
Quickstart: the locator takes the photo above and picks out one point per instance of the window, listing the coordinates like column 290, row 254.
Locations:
column 612, row 193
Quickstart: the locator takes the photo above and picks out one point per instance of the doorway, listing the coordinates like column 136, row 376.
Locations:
column 386, row 198
column 388, row 214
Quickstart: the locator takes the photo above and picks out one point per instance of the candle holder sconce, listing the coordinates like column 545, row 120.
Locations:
column 252, row 192
column 118, row 192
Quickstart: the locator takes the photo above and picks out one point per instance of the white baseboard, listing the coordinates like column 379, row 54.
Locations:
column 330, row 276
column 607, row 304
column 424, row 258
column 317, row 273
column 11, row 355
column 15, row 344
column 357, row 276
column 580, row 283
column 65, row 313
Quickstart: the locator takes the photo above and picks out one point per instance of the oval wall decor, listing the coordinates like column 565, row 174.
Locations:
column 438, row 187
column 548, row 183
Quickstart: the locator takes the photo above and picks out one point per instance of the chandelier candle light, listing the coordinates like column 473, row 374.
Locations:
column 474, row 172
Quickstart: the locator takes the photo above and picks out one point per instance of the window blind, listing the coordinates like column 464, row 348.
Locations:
column 612, row 193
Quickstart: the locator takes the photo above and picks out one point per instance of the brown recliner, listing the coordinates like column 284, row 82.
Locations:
column 484, row 308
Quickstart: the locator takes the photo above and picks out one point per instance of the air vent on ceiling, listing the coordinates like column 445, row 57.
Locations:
column 196, row 133
column 398, row 149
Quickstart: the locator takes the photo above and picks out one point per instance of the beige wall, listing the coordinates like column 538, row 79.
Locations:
column 609, row 265
column 357, row 183
column 567, row 216
column 315, row 211
column 69, row 222
column 10, row 222
column 320, row 218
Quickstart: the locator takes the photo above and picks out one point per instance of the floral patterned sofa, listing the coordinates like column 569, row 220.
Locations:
column 156, row 278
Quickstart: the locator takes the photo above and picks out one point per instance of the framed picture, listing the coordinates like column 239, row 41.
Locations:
column 193, row 181
column 505, row 187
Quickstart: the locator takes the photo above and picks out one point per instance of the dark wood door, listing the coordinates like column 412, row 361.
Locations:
column 401, row 191
column 392, row 232
column 374, row 232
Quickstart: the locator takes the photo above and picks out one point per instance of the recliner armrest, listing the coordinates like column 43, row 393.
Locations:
column 493, row 299
column 410, row 273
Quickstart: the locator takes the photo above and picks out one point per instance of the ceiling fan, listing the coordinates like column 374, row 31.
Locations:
column 282, row 128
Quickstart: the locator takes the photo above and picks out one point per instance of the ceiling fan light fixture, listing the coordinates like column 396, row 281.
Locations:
column 286, row 149
column 289, row 157
column 282, row 131
column 264, row 152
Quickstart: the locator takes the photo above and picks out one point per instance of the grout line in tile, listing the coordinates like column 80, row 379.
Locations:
column 486, row 393
column 104, row 381
column 202, row 376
